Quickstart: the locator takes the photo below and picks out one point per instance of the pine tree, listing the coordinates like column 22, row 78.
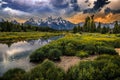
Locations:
column 116, row 28
column 99, row 27
column 104, row 30
column 86, row 25
column 89, row 25
column 75, row 29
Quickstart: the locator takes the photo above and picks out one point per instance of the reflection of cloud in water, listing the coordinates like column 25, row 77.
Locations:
column 17, row 55
column 20, row 49
column 17, row 48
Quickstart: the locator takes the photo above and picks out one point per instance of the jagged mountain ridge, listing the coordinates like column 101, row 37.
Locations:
column 55, row 23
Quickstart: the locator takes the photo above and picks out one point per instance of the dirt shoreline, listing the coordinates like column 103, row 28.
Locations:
column 118, row 50
column 69, row 61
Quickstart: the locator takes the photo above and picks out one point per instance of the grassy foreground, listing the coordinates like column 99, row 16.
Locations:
column 81, row 45
column 104, row 67
column 18, row 36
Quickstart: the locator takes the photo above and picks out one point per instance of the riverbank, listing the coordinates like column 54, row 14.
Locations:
column 6, row 37
column 69, row 61
column 80, row 45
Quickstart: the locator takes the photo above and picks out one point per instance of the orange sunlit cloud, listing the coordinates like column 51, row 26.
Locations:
column 99, row 18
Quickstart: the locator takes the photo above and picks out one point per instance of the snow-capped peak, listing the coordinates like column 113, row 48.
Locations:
column 56, row 23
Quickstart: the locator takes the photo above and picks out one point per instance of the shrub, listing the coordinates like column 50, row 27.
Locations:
column 13, row 74
column 37, row 56
column 106, row 50
column 82, row 54
column 70, row 49
column 102, row 69
column 54, row 54
column 117, row 43
column 90, row 48
column 45, row 71
column 1, row 78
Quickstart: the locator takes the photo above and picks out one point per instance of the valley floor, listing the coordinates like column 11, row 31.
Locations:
column 6, row 37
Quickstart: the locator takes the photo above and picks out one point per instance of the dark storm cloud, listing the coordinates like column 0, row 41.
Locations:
column 60, row 3
column 16, row 6
column 98, row 5
column 86, row 1
column 60, row 7
column 70, row 6
column 108, row 10
column 73, row 1
column 75, row 5
column 63, row 4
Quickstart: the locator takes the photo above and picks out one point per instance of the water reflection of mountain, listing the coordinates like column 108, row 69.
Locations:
column 17, row 55
column 21, row 49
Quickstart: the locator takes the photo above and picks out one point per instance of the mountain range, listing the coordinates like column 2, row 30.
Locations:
column 56, row 23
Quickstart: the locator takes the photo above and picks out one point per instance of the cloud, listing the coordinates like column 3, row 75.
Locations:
column 109, row 18
column 86, row 1
column 14, row 12
column 109, row 10
column 63, row 8
column 98, row 5
column 2, row 3
column 15, row 5
column 29, row 2
column 60, row 3
column 43, row 7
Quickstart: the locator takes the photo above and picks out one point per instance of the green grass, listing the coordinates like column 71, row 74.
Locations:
column 88, row 43
column 18, row 36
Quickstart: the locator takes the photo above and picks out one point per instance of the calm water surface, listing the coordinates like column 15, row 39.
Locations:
column 17, row 54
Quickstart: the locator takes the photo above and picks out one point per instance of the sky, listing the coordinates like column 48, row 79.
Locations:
column 75, row 11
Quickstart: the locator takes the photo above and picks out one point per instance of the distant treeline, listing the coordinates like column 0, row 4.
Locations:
column 90, row 26
column 11, row 27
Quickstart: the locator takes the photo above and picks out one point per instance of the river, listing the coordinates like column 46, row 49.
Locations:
column 17, row 54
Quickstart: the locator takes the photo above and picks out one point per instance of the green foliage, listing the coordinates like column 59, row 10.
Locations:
column 37, row 56
column 100, row 69
column 18, row 36
column 46, row 52
column 117, row 43
column 54, row 54
column 105, row 67
column 99, row 27
column 105, row 30
column 116, row 28
column 10, row 27
column 77, row 29
column 90, row 48
column 82, row 54
column 45, row 71
column 72, row 44
column 13, row 74
column 106, row 50
column 70, row 49
column 90, row 26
